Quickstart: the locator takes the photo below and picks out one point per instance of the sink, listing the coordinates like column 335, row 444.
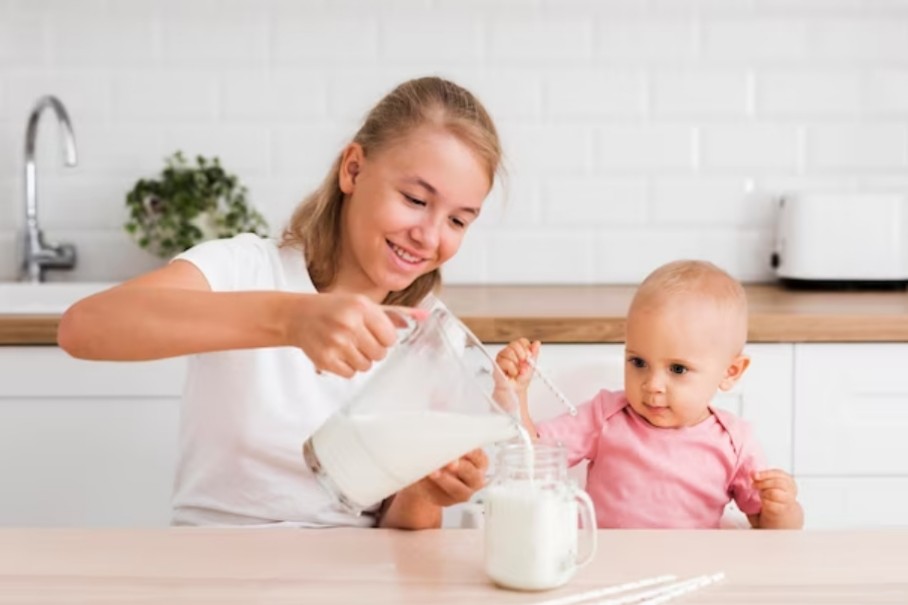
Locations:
column 46, row 298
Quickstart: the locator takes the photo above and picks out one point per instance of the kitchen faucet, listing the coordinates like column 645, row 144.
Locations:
column 39, row 255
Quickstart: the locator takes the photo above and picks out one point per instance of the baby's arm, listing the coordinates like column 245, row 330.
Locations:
column 512, row 360
column 778, row 495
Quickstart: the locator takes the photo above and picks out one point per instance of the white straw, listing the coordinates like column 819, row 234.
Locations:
column 548, row 382
column 671, row 594
column 648, row 596
column 608, row 590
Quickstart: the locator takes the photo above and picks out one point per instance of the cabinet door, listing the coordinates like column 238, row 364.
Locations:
column 86, row 443
column 848, row 502
column 851, row 416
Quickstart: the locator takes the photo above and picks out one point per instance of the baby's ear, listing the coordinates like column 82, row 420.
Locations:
column 734, row 371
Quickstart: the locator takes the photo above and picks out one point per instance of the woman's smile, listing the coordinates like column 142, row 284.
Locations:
column 407, row 259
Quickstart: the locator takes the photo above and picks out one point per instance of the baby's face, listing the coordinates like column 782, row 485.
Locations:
column 677, row 355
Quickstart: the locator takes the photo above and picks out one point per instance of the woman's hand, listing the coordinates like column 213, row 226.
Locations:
column 457, row 481
column 344, row 333
column 419, row 505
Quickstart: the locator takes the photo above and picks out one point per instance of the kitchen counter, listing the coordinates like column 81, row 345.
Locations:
column 344, row 566
column 595, row 314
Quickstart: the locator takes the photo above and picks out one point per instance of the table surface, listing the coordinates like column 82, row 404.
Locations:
column 361, row 566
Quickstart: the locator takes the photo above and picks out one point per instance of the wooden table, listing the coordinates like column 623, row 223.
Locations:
column 364, row 567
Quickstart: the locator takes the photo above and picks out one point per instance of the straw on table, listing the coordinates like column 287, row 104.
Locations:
column 607, row 590
column 671, row 594
column 664, row 593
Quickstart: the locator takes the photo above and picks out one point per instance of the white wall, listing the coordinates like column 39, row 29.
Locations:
column 637, row 131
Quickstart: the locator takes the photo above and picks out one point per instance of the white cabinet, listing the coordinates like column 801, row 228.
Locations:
column 866, row 502
column 851, row 423
column 86, row 443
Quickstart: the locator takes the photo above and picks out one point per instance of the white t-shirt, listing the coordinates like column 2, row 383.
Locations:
column 246, row 413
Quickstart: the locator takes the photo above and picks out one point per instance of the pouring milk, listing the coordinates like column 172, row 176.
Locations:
column 437, row 396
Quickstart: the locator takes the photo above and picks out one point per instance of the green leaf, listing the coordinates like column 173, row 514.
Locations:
column 186, row 194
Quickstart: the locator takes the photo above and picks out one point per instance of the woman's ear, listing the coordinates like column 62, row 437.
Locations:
column 350, row 164
column 734, row 371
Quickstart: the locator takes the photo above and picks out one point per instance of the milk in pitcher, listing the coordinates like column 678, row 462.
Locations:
column 369, row 456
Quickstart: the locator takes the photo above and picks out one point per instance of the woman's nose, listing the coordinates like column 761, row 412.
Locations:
column 426, row 233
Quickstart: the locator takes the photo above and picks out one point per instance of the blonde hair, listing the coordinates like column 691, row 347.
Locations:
column 702, row 281
column 316, row 223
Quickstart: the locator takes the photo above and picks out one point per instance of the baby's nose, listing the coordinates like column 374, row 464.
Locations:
column 654, row 384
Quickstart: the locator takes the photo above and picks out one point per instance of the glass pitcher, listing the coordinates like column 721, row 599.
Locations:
column 531, row 513
column 437, row 396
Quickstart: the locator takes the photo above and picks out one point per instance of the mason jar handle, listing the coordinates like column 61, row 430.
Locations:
column 588, row 518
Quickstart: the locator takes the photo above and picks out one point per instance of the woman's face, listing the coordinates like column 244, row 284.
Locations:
column 408, row 207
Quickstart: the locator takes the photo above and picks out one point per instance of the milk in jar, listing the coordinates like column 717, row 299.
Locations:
column 531, row 520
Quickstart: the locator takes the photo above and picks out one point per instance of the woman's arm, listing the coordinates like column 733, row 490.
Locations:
column 172, row 311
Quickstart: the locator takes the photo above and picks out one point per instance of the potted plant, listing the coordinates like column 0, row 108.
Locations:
column 188, row 204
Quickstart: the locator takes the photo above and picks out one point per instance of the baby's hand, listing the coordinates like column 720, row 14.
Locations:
column 514, row 361
column 778, row 491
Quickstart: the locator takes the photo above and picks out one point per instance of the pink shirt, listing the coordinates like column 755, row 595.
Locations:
column 642, row 476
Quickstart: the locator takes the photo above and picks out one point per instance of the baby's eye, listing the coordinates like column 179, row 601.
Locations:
column 636, row 362
column 677, row 368
column 460, row 224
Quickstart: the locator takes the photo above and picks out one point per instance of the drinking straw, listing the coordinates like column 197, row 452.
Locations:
column 653, row 595
column 548, row 382
column 700, row 582
column 608, row 590
column 669, row 591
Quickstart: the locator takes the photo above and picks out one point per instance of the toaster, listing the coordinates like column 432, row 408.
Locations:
column 851, row 240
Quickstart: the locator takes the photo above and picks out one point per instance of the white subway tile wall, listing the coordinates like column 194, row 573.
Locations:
column 636, row 131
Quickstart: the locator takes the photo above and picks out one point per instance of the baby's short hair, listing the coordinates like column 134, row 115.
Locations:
column 698, row 280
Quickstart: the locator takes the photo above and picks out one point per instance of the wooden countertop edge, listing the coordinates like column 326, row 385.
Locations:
column 29, row 329
column 764, row 327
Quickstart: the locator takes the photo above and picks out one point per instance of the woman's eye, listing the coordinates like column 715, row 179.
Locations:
column 460, row 224
column 677, row 368
column 636, row 362
column 414, row 201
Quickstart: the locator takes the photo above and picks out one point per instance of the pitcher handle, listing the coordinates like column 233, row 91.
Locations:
column 588, row 518
column 405, row 319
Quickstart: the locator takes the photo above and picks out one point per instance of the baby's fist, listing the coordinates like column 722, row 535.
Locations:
column 778, row 490
column 515, row 360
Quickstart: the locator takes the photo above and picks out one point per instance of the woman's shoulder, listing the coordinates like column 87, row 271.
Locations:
column 248, row 262
column 244, row 243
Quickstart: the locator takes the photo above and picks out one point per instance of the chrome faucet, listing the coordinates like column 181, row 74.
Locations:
column 39, row 255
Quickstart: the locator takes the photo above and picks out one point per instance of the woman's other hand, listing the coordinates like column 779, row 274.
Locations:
column 419, row 505
column 457, row 481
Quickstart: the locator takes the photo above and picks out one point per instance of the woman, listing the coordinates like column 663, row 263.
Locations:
column 263, row 319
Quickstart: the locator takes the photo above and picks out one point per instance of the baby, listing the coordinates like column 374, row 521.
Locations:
column 660, row 455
